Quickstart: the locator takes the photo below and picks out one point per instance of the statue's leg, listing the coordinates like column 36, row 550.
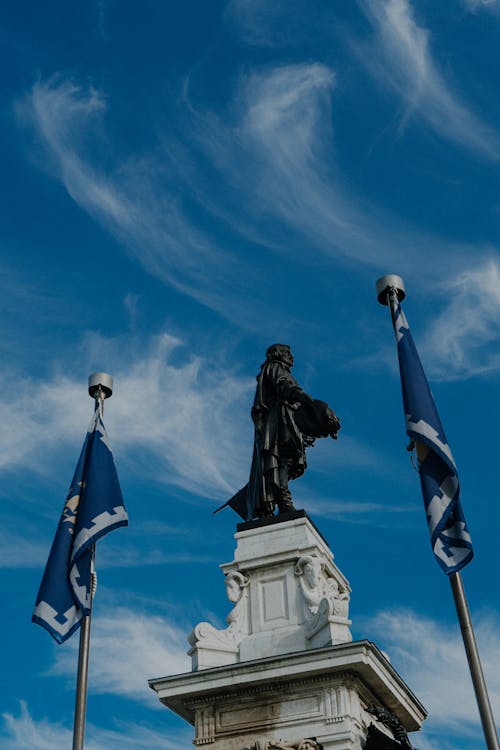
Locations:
column 270, row 468
column 285, row 504
column 267, row 511
column 269, row 500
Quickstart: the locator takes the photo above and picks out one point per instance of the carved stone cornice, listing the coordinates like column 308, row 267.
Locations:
column 344, row 679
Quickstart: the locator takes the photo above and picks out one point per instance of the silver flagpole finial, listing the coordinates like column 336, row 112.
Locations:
column 100, row 385
column 388, row 282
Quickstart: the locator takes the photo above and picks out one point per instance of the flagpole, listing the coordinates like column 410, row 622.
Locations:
column 83, row 671
column 476, row 670
column 100, row 387
column 390, row 290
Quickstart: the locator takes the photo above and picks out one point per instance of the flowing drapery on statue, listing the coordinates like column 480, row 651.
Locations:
column 94, row 506
column 450, row 538
column 286, row 421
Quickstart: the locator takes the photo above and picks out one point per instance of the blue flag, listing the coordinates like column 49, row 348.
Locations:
column 450, row 538
column 94, row 506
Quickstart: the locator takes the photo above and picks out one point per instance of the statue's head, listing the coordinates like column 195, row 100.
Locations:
column 281, row 353
column 311, row 568
column 235, row 583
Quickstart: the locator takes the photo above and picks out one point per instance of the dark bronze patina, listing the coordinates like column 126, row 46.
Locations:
column 287, row 420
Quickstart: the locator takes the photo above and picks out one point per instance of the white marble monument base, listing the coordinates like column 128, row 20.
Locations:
column 279, row 702
column 284, row 674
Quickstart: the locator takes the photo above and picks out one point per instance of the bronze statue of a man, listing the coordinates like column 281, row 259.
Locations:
column 286, row 420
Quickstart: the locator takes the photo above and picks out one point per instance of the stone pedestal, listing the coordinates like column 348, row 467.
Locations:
column 284, row 672
column 289, row 596
column 322, row 695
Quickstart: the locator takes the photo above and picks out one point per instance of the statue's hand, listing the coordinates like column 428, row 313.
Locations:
column 335, row 426
column 305, row 398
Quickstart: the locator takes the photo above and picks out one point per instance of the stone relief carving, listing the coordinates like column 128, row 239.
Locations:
column 322, row 595
column 206, row 635
column 309, row 743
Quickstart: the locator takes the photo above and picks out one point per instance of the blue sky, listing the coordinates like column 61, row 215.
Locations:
column 185, row 184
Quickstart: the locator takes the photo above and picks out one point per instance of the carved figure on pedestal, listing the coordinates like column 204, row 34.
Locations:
column 205, row 634
column 287, row 420
column 321, row 593
column 340, row 600
column 309, row 570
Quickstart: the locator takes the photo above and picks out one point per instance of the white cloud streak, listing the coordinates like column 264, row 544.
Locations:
column 277, row 23
column 274, row 156
column 283, row 118
column 186, row 419
column 135, row 200
column 379, row 515
column 464, row 338
column 461, row 339
column 474, row 6
column 278, row 153
column 255, row 20
column 134, row 550
column 401, row 60
column 274, row 153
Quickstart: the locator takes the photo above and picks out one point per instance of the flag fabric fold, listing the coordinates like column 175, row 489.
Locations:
column 94, row 506
column 448, row 531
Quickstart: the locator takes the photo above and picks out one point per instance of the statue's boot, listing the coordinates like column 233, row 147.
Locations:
column 285, row 504
column 267, row 510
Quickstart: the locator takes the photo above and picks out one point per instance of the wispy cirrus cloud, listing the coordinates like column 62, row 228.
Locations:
column 137, row 199
column 160, row 204
column 141, row 547
column 476, row 5
column 255, row 20
column 281, row 139
column 381, row 515
column 276, row 151
column 278, row 191
column 281, row 136
column 151, row 543
column 463, row 339
column 401, row 59
column 277, row 23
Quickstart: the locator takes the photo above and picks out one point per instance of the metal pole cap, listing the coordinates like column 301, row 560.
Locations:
column 388, row 282
column 103, row 380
